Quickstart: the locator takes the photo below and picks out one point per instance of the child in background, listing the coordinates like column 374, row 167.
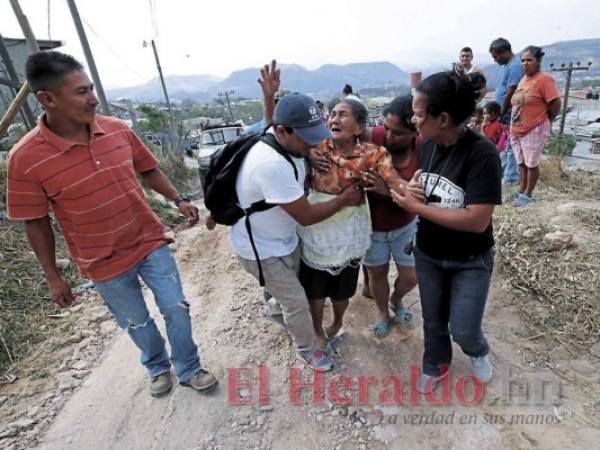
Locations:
column 476, row 123
column 493, row 129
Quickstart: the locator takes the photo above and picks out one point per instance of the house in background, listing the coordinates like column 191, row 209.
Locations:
column 17, row 50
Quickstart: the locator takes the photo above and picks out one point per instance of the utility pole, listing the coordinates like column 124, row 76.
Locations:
column 89, row 57
column 132, row 114
column 226, row 95
column 162, row 80
column 32, row 44
column 569, row 69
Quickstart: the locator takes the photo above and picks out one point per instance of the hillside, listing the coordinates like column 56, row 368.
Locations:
column 328, row 79
column 324, row 81
column 179, row 86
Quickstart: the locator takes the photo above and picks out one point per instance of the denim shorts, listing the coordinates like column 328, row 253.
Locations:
column 391, row 243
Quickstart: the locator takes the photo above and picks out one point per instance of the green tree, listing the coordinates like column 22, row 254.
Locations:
column 155, row 120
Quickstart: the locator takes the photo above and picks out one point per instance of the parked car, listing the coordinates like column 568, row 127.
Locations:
column 212, row 140
column 153, row 139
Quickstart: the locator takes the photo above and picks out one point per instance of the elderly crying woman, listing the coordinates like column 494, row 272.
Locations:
column 332, row 249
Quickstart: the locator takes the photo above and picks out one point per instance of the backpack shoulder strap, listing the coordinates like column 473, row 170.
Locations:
column 262, row 205
column 269, row 139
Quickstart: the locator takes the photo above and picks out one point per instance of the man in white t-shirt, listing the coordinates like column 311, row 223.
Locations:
column 466, row 60
column 267, row 175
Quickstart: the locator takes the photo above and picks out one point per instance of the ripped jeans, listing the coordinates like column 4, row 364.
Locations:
column 123, row 297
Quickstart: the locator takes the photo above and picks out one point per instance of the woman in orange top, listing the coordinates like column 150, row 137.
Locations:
column 535, row 104
column 332, row 249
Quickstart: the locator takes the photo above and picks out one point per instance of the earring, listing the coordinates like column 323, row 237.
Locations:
column 357, row 139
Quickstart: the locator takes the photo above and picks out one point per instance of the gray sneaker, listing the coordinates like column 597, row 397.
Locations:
column 427, row 384
column 512, row 197
column 160, row 384
column 265, row 311
column 482, row 368
column 522, row 200
column 201, row 381
column 316, row 360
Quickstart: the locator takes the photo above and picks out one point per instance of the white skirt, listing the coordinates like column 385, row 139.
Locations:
column 339, row 241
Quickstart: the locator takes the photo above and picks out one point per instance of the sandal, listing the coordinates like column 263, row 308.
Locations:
column 333, row 339
column 402, row 316
column 328, row 350
column 381, row 328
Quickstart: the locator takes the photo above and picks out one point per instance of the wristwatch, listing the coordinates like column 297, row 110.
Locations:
column 181, row 198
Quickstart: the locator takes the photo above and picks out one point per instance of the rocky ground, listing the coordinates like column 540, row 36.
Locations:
column 86, row 389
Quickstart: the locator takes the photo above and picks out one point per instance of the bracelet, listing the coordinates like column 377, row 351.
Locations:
column 181, row 198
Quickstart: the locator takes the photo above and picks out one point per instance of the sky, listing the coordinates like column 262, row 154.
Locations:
column 218, row 37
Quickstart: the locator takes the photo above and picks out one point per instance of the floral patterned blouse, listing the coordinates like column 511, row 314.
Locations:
column 346, row 169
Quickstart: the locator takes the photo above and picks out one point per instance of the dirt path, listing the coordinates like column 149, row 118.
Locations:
column 113, row 410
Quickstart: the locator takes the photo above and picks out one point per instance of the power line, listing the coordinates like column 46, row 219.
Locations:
column 111, row 50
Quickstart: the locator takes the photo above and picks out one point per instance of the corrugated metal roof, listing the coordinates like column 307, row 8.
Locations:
column 44, row 44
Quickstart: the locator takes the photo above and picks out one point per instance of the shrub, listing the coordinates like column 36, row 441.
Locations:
column 559, row 146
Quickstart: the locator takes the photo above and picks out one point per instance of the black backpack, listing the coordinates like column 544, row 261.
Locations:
column 220, row 196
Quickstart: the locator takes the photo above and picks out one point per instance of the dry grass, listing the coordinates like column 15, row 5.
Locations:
column 24, row 300
column 565, row 305
column 577, row 184
column 563, row 287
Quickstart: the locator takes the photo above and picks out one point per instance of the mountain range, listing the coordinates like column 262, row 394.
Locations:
column 179, row 86
column 329, row 79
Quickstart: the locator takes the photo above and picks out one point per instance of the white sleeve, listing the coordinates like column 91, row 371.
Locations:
column 277, row 182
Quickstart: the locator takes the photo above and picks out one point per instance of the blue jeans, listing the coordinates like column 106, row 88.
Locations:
column 510, row 168
column 453, row 297
column 123, row 297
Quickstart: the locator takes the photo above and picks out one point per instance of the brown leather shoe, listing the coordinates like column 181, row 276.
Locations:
column 161, row 384
column 201, row 381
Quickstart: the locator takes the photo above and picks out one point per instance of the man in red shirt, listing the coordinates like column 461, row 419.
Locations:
column 83, row 166
column 393, row 227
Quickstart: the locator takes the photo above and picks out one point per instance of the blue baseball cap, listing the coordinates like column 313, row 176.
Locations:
column 300, row 112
